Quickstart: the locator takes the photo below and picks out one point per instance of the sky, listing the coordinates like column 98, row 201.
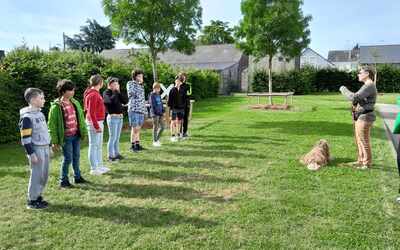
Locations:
column 336, row 24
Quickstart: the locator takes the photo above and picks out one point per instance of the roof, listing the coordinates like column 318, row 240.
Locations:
column 342, row 56
column 329, row 62
column 216, row 57
column 380, row 54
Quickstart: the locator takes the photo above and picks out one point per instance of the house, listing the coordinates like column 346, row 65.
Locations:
column 346, row 60
column 311, row 58
column 225, row 59
column 380, row 54
column 2, row 54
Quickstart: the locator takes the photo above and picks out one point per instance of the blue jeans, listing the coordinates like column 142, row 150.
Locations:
column 71, row 151
column 95, row 145
column 114, row 124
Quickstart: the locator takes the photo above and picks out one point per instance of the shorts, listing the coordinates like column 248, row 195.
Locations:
column 178, row 114
column 135, row 119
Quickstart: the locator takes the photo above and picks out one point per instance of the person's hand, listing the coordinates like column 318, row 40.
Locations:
column 342, row 88
column 55, row 147
column 117, row 88
column 51, row 152
column 99, row 130
column 34, row 159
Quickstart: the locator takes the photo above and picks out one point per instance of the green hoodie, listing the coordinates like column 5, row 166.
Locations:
column 56, row 121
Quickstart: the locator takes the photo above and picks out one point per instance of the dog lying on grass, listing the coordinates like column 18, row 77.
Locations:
column 318, row 156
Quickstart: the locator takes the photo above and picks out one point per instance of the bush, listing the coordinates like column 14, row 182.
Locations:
column 23, row 68
column 309, row 80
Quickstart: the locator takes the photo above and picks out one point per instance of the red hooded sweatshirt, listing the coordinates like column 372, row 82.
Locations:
column 94, row 107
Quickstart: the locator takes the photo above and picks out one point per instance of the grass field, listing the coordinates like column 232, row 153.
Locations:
column 235, row 184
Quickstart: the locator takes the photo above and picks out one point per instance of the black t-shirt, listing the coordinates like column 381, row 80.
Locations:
column 113, row 101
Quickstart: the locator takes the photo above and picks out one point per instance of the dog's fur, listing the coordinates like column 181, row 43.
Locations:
column 318, row 156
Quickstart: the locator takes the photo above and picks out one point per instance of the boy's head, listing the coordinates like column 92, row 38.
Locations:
column 182, row 76
column 113, row 83
column 137, row 75
column 156, row 87
column 34, row 97
column 65, row 88
column 96, row 81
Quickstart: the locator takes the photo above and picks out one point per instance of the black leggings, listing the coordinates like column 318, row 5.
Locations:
column 186, row 119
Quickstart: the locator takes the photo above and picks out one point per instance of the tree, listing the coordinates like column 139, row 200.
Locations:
column 217, row 32
column 271, row 27
column 93, row 37
column 159, row 25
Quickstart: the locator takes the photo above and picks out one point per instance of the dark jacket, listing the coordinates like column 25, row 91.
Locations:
column 113, row 101
column 156, row 105
column 175, row 98
column 184, row 90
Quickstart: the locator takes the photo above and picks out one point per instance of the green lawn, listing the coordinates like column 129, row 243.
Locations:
column 236, row 184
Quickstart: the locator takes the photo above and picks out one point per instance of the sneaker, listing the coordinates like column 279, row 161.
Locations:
column 119, row 157
column 156, row 144
column 174, row 139
column 96, row 172
column 80, row 180
column 134, row 149
column 363, row 167
column 140, row 147
column 185, row 136
column 41, row 200
column 103, row 169
column 65, row 184
column 113, row 159
column 35, row 205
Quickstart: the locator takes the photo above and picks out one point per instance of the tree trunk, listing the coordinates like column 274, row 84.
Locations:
column 270, row 78
column 154, row 65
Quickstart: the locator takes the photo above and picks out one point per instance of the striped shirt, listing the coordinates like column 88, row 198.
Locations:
column 70, row 121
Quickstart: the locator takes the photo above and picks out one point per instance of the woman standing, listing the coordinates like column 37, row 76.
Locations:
column 363, row 115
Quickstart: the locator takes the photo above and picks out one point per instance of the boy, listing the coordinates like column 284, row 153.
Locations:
column 136, row 108
column 176, row 104
column 67, row 128
column 113, row 100
column 36, row 140
column 156, row 112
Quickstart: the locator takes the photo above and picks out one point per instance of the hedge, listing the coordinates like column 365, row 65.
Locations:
column 309, row 80
column 23, row 68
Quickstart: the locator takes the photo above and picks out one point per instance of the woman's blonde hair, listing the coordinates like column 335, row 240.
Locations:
column 156, row 85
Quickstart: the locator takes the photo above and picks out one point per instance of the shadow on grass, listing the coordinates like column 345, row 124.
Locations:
column 146, row 217
column 168, row 175
column 322, row 128
column 191, row 164
column 144, row 191
column 213, row 153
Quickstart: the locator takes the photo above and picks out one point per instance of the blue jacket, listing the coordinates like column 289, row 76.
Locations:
column 156, row 105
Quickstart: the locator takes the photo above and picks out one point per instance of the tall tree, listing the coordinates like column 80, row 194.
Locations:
column 159, row 25
column 217, row 32
column 93, row 37
column 270, row 27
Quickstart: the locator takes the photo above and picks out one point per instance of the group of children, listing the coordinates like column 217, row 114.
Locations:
column 69, row 123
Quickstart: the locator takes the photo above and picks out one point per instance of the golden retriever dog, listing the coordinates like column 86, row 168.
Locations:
column 318, row 156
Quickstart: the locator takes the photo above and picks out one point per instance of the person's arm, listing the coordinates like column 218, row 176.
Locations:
column 53, row 124
column 26, row 127
column 91, row 111
column 170, row 97
column 361, row 94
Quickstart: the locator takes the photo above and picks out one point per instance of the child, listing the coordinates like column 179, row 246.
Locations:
column 67, row 128
column 175, row 102
column 156, row 112
column 113, row 101
column 36, row 140
column 95, row 114
column 136, row 108
column 187, row 92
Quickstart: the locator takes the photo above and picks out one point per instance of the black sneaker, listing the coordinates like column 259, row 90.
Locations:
column 80, row 180
column 119, row 157
column 40, row 200
column 65, row 184
column 35, row 205
column 113, row 159
column 135, row 149
column 140, row 147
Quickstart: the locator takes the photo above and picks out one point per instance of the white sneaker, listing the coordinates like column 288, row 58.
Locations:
column 96, row 172
column 103, row 169
column 156, row 144
column 174, row 139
